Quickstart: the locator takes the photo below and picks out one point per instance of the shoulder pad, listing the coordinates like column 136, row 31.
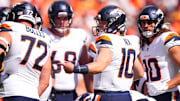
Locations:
column 172, row 36
column 103, row 39
column 5, row 27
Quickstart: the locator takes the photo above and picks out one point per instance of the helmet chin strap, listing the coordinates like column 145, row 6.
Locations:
column 61, row 30
column 148, row 34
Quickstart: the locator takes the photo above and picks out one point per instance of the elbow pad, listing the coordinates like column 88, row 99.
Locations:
column 2, row 55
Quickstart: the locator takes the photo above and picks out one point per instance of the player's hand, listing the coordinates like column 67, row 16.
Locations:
column 145, row 92
column 157, row 88
column 53, row 94
column 68, row 67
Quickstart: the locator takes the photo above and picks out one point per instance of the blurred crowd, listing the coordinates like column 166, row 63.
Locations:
column 86, row 10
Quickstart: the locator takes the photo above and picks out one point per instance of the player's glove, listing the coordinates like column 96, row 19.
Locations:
column 157, row 88
column 137, row 96
column 53, row 94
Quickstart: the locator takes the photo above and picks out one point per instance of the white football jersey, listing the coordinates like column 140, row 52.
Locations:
column 155, row 58
column 118, row 75
column 28, row 53
column 67, row 48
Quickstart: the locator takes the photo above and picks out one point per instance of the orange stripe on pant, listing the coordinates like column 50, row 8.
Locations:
column 174, row 95
column 98, row 98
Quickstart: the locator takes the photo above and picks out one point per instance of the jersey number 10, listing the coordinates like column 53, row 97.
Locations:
column 126, row 55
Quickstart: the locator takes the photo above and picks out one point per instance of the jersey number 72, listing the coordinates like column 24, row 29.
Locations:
column 30, row 48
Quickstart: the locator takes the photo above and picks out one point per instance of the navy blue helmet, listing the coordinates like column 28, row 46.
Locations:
column 152, row 13
column 4, row 13
column 24, row 11
column 116, row 19
column 58, row 9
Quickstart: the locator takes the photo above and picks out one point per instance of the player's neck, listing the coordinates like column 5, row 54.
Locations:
column 151, row 39
column 25, row 23
column 65, row 33
column 118, row 33
column 158, row 34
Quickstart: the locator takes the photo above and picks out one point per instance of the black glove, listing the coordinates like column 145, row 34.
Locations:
column 53, row 94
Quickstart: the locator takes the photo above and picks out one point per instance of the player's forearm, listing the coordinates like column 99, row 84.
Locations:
column 45, row 76
column 96, row 67
column 174, row 82
column 102, row 61
column 88, row 78
column 84, row 56
column 42, row 87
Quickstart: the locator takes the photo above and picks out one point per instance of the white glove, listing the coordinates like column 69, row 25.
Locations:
column 139, row 84
column 157, row 88
column 137, row 96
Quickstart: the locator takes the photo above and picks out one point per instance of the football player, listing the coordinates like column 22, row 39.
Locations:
column 159, row 55
column 68, row 44
column 25, row 53
column 114, row 59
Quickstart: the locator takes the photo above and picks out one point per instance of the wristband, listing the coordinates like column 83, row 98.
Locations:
column 81, row 69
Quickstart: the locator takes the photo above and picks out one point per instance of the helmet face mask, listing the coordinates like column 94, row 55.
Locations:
column 101, row 25
column 60, row 16
column 39, row 22
column 4, row 13
column 61, row 22
column 147, row 27
column 154, row 19
column 115, row 18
